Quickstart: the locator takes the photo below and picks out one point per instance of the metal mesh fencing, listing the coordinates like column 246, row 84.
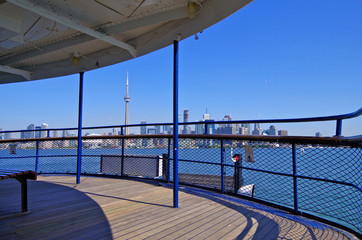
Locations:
column 330, row 182
column 327, row 179
column 18, row 155
column 322, row 180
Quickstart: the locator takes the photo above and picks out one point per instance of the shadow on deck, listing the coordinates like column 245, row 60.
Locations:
column 107, row 208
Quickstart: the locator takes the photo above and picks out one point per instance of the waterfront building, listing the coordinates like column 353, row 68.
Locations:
column 272, row 131
column 143, row 129
column 114, row 131
column 44, row 134
column 283, row 133
column 211, row 129
column 158, row 129
column 247, row 126
column 37, row 132
column 65, row 133
column 200, row 128
column 206, row 116
column 243, row 131
column 186, row 119
column 227, row 128
column 167, row 129
column 151, row 131
column 318, row 134
column 257, row 130
column 30, row 134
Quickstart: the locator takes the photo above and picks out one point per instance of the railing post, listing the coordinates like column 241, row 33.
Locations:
column 222, row 166
column 122, row 157
column 165, row 167
column 175, row 124
column 48, row 133
column 339, row 127
column 295, row 185
column 168, row 160
column 206, row 130
column 236, row 177
column 37, row 156
column 80, row 110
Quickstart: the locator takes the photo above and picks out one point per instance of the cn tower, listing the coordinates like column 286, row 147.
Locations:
column 127, row 99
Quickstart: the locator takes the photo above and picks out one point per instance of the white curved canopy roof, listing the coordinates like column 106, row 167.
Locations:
column 50, row 38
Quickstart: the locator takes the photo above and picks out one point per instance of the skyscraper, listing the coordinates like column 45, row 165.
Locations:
column 44, row 134
column 186, row 130
column 257, row 130
column 143, row 128
column 273, row 131
column 158, row 129
column 30, row 134
column 127, row 99
column 37, row 132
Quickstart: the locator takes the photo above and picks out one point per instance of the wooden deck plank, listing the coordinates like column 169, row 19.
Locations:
column 106, row 208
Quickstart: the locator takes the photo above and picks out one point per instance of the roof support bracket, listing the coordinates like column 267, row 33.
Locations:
column 25, row 4
column 15, row 71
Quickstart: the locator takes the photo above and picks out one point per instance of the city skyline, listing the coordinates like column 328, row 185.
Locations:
column 213, row 128
column 267, row 61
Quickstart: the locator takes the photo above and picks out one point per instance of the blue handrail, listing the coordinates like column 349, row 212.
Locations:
column 337, row 118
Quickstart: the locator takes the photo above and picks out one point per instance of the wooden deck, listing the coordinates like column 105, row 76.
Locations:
column 106, row 208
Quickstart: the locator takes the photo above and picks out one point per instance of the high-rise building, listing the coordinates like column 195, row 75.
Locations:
column 158, row 129
column 244, row 131
column 187, row 129
column 272, row 131
column 200, row 128
column 318, row 134
column 167, row 129
column 151, row 131
column 44, row 134
column 127, row 99
column 246, row 126
column 206, row 116
column 227, row 128
column 257, row 130
column 30, row 134
column 65, row 133
column 143, row 129
column 37, row 132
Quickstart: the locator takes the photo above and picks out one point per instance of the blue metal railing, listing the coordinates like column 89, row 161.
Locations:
column 323, row 180
column 337, row 118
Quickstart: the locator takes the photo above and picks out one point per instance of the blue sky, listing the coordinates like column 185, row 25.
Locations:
column 272, row 59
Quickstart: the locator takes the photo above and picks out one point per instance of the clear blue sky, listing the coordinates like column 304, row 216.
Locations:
column 273, row 59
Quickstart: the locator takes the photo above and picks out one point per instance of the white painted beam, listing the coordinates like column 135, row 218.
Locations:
column 162, row 17
column 69, row 23
column 15, row 71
